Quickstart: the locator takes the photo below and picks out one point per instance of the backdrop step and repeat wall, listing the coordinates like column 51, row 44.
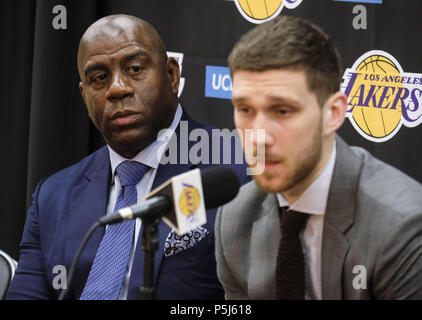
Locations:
column 44, row 122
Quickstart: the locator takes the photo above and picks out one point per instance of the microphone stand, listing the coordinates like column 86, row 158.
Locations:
column 149, row 246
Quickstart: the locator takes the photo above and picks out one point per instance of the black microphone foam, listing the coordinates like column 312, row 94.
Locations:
column 219, row 185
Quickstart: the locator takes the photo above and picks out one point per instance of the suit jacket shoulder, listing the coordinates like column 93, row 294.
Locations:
column 388, row 186
column 97, row 163
column 373, row 220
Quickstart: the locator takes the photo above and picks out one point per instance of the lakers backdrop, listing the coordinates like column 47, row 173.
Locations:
column 44, row 115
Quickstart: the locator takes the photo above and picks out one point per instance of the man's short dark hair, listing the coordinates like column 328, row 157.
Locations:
column 291, row 43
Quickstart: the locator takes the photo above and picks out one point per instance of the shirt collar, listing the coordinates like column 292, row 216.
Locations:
column 314, row 199
column 152, row 154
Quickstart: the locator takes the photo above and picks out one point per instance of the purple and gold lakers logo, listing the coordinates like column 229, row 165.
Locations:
column 259, row 11
column 189, row 200
column 381, row 96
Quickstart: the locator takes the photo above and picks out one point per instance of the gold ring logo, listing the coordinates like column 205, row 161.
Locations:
column 189, row 200
column 259, row 11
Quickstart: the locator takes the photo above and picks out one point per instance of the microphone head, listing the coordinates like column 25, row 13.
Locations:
column 219, row 185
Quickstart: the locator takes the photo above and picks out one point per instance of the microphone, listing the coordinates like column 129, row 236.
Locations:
column 182, row 200
column 144, row 210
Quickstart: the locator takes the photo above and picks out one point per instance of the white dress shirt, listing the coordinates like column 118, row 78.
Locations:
column 150, row 156
column 314, row 201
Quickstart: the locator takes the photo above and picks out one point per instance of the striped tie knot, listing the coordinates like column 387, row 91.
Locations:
column 131, row 172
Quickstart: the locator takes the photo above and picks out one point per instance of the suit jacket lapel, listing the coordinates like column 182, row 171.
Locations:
column 87, row 203
column 339, row 217
column 265, row 238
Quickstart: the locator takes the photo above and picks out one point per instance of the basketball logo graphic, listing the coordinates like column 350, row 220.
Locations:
column 381, row 96
column 374, row 120
column 259, row 11
column 189, row 200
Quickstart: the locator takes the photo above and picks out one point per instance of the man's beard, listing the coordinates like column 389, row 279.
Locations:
column 301, row 170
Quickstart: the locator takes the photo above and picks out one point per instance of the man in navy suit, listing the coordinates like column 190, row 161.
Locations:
column 130, row 88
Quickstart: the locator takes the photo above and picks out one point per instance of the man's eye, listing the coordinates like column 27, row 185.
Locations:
column 283, row 112
column 99, row 77
column 243, row 110
column 134, row 69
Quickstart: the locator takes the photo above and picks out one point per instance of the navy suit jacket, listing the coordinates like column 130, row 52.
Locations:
column 66, row 204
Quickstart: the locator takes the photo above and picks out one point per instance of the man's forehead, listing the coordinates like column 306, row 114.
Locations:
column 112, row 26
column 112, row 39
column 274, row 85
column 109, row 46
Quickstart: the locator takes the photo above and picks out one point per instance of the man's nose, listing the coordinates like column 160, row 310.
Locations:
column 119, row 88
column 262, row 133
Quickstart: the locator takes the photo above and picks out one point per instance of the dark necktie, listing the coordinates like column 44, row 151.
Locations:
column 110, row 263
column 290, row 270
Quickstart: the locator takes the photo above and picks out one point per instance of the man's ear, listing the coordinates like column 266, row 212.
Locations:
column 173, row 73
column 334, row 112
column 81, row 89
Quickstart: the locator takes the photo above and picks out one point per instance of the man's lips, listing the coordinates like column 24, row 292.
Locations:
column 271, row 162
column 268, row 162
column 122, row 118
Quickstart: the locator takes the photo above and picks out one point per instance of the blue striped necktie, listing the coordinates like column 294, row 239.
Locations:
column 111, row 261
